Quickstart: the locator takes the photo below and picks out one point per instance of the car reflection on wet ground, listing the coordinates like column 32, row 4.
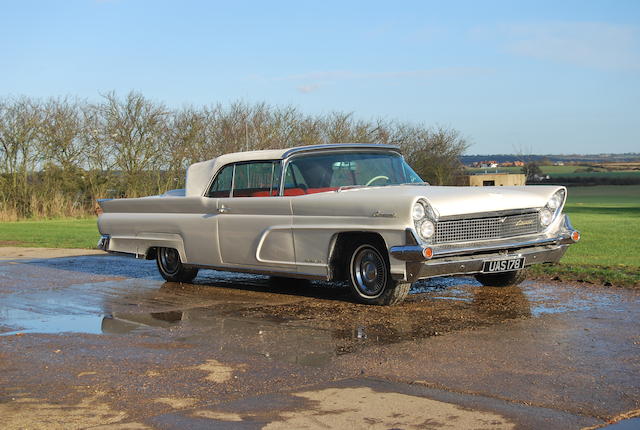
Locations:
column 540, row 353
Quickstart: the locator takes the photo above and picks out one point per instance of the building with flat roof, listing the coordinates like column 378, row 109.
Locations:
column 497, row 179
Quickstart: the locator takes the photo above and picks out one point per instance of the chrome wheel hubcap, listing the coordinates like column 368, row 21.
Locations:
column 170, row 260
column 368, row 272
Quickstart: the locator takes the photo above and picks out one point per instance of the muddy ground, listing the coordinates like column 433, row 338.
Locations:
column 93, row 341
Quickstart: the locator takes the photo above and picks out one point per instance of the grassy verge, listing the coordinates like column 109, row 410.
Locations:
column 608, row 218
column 57, row 233
column 621, row 276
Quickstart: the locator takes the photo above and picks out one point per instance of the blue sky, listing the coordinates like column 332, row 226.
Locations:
column 512, row 76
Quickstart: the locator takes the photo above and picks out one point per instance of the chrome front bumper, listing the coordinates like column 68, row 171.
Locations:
column 468, row 258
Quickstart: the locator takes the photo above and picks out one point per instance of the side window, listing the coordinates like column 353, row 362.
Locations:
column 221, row 186
column 294, row 181
column 259, row 179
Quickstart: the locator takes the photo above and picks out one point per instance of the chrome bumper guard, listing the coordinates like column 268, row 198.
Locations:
column 103, row 243
column 469, row 258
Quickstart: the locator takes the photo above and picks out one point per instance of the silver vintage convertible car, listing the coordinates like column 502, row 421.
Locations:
column 353, row 212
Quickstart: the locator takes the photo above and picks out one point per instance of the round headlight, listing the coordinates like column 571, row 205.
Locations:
column 546, row 216
column 418, row 212
column 555, row 201
column 427, row 229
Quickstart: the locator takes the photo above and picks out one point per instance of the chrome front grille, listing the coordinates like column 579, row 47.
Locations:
column 498, row 227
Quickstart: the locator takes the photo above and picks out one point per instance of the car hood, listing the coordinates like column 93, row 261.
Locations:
column 447, row 201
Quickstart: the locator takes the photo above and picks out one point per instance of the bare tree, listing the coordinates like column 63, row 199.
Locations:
column 20, row 120
column 60, row 132
column 58, row 156
column 434, row 153
column 133, row 129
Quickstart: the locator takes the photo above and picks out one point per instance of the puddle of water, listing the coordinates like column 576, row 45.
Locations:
column 441, row 283
column 629, row 424
column 546, row 299
column 223, row 311
column 56, row 324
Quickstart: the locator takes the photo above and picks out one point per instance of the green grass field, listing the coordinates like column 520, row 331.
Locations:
column 58, row 233
column 564, row 171
column 607, row 216
column 609, row 219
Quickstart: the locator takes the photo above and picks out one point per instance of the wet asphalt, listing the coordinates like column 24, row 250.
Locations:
column 99, row 340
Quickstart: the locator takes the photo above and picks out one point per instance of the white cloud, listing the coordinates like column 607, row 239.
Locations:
column 309, row 88
column 587, row 44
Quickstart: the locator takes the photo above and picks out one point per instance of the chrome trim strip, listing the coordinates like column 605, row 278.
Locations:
column 266, row 272
column 499, row 246
column 477, row 215
column 263, row 237
column 378, row 214
column 333, row 146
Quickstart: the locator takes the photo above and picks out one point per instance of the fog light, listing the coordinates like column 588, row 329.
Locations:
column 428, row 253
column 545, row 217
column 575, row 236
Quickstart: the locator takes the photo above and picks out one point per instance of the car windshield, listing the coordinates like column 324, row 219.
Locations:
column 326, row 172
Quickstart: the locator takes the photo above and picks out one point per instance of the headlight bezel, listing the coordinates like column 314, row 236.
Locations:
column 429, row 216
column 554, row 207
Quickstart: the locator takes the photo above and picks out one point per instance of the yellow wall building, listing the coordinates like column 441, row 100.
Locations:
column 496, row 179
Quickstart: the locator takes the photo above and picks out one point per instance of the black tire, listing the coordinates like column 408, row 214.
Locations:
column 171, row 268
column 503, row 279
column 370, row 277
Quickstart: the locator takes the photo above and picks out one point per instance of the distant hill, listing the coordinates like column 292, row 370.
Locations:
column 565, row 158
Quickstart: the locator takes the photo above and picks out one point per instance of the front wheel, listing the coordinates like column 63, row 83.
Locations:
column 371, row 282
column 171, row 268
column 502, row 279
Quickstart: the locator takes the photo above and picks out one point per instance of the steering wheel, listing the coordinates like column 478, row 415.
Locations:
column 372, row 180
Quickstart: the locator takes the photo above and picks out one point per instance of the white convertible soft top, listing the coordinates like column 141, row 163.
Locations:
column 199, row 174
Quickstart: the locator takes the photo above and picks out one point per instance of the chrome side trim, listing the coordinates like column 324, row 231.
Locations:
column 263, row 237
column 266, row 272
column 128, row 254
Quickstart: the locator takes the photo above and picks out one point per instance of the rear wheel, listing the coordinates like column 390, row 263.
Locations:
column 371, row 281
column 171, row 268
column 503, row 279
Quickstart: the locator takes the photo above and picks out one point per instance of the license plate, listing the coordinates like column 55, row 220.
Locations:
column 505, row 265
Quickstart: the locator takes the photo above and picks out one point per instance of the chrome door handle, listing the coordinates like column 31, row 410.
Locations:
column 223, row 209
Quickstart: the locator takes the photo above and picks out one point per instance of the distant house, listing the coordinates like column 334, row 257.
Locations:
column 497, row 180
column 512, row 164
column 485, row 164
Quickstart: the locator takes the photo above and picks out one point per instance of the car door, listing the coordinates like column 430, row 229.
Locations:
column 254, row 223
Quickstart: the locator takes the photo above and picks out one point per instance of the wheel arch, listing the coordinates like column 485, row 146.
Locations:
column 340, row 246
